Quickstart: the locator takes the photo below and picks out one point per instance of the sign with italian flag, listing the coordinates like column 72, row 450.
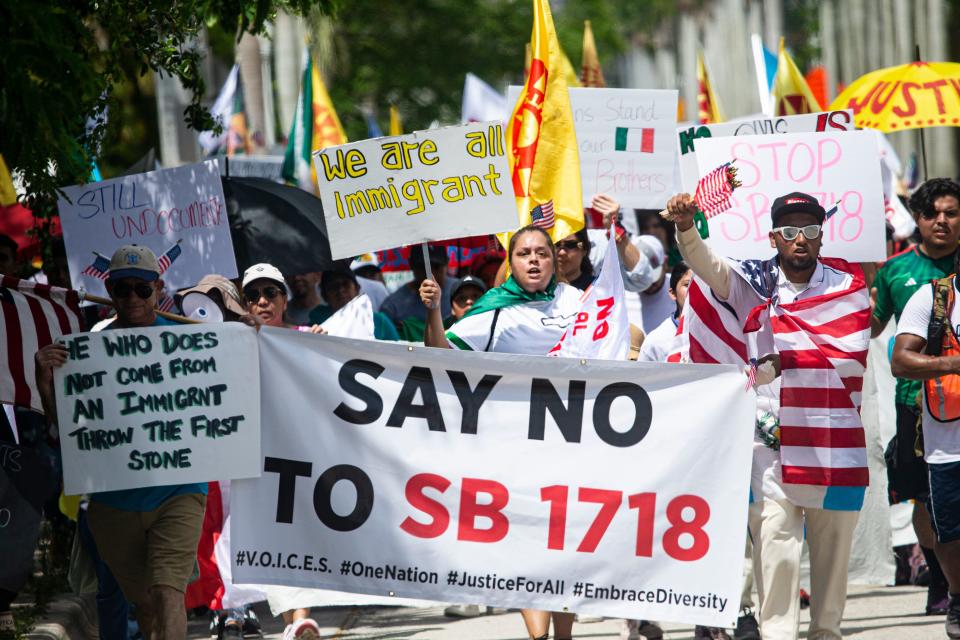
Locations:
column 625, row 141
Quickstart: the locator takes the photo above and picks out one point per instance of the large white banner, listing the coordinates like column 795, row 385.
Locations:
column 498, row 479
column 626, row 143
column 158, row 406
column 804, row 123
column 182, row 207
column 429, row 185
column 836, row 168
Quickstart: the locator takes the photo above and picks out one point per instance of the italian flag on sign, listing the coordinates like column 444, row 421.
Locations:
column 634, row 139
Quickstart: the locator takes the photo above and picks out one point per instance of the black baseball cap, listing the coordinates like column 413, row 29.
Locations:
column 797, row 202
column 469, row 281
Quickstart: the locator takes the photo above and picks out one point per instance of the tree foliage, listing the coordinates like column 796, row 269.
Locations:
column 62, row 59
column 415, row 53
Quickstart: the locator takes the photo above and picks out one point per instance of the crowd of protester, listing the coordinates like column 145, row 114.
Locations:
column 143, row 542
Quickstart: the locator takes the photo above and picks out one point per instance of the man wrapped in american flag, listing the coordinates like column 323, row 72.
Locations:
column 805, row 320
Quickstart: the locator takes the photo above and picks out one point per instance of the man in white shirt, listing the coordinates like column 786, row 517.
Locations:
column 938, row 364
column 656, row 345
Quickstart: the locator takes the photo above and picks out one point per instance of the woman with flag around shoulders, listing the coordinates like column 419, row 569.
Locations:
column 527, row 314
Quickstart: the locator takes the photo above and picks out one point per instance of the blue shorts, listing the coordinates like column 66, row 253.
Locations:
column 944, row 500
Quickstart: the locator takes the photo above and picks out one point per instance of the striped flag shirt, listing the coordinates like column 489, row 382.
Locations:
column 542, row 215
column 713, row 192
column 33, row 316
column 822, row 342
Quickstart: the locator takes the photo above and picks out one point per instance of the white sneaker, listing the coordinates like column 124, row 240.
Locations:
column 585, row 618
column 462, row 611
column 305, row 629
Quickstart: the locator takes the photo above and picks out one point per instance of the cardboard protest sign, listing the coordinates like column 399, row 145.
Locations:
column 625, row 138
column 179, row 213
column 839, row 167
column 687, row 137
column 423, row 473
column 158, row 406
column 429, row 185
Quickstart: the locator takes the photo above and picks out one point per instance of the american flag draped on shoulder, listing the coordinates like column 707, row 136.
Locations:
column 822, row 342
column 33, row 315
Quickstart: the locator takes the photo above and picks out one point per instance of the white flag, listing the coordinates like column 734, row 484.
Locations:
column 481, row 102
column 601, row 330
column 353, row 320
column 221, row 111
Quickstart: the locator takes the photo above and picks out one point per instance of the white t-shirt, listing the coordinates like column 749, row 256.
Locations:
column 941, row 440
column 656, row 344
column 531, row 328
column 657, row 307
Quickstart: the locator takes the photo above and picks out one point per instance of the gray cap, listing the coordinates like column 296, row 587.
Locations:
column 134, row 261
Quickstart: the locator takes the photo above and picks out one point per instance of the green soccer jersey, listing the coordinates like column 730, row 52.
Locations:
column 896, row 281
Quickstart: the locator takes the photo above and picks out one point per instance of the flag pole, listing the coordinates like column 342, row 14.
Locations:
column 923, row 144
column 426, row 263
column 163, row 314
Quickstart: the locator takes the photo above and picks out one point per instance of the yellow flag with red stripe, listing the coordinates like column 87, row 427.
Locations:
column 791, row 95
column 708, row 107
column 327, row 130
column 541, row 142
column 8, row 195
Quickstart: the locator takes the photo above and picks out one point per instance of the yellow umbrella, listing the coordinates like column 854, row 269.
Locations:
column 911, row 96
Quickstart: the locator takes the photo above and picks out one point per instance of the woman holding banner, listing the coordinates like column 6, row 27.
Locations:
column 526, row 314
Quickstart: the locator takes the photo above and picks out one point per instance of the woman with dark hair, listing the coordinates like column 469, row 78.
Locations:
column 526, row 314
column 573, row 260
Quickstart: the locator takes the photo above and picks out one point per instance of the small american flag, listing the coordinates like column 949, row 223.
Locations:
column 31, row 316
column 714, row 190
column 542, row 215
column 169, row 256
column 99, row 268
column 166, row 303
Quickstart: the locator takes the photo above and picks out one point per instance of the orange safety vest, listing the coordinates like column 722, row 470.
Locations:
column 943, row 394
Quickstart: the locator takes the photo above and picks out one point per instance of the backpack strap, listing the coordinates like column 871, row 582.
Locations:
column 943, row 299
column 493, row 327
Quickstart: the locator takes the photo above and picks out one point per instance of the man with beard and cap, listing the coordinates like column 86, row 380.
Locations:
column 804, row 323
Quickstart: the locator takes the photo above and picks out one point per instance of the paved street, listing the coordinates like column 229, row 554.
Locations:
column 873, row 613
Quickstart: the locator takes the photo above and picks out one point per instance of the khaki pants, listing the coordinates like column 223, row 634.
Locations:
column 147, row 548
column 777, row 530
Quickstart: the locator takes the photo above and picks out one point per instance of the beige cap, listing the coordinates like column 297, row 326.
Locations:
column 134, row 261
column 228, row 291
column 263, row 270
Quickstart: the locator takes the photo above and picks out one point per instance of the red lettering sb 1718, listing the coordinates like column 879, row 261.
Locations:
column 484, row 502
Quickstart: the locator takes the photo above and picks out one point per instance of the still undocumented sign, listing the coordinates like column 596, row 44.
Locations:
column 179, row 213
column 432, row 475
column 158, row 406
column 428, row 185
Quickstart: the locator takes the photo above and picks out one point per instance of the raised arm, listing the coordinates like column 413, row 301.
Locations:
column 433, row 334
column 706, row 264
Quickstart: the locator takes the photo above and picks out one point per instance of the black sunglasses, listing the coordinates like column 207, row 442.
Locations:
column 124, row 289
column 568, row 245
column 252, row 294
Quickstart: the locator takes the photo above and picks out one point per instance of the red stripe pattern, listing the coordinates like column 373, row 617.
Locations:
column 713, row 191
column 33, row 315
column 822, row 343
column 542, row 215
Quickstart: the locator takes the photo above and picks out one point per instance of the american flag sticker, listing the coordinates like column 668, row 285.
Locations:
column 542, row 215
column 634, row 139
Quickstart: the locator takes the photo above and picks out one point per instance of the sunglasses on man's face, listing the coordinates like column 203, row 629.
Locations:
column 124, row 289
column 568, row 245
column 810, row 232
column 252, row 294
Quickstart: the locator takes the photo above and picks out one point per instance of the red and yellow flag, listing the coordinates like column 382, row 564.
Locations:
column 791, row 95
column 708, row 107
column 541, row 143
column 591, row 74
